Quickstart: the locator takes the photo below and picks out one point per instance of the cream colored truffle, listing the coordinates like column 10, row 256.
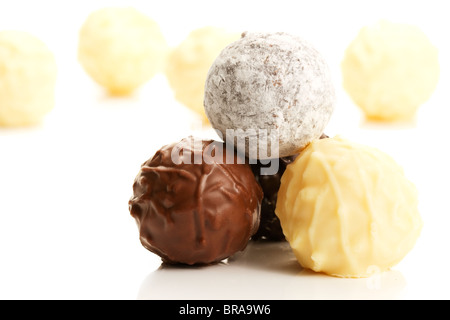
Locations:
column 189, row 62
column 347, row 209
column 390, row 70
column 27, row 79
column 121, row 49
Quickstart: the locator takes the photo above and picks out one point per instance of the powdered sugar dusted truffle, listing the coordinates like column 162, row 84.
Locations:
column 273, row 86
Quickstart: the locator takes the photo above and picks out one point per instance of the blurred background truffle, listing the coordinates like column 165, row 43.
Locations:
column 390, row 70
column 28, row 75
column 188, row 64
column 121, row 48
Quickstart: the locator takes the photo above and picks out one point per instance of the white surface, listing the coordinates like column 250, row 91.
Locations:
column 65, row 229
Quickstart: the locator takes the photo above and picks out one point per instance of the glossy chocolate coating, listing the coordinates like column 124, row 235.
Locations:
column 195, row 213
column 269, row 227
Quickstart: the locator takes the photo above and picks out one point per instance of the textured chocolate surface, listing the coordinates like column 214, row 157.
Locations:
column 195, row 213
column 269, row 227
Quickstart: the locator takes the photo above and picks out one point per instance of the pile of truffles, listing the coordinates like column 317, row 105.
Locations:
column 276, row 176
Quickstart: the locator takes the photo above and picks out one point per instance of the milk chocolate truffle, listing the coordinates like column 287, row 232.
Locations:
column 189, row 62
column 121, row 48
column 274, row 88
column 347, row 209
column 28, row 74
column 390, row 70
column 192, row 205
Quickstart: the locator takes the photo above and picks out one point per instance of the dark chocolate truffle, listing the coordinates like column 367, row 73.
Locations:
column 192, row 205
column 269, row 226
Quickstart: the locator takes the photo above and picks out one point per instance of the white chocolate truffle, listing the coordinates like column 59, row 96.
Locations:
column 390, row 70
column 121, row 49
column 347, row 210
column 269, row 86
column 189, row 62
column 27, row 79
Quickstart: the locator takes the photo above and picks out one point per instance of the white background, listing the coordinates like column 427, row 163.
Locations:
column 65, row 229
